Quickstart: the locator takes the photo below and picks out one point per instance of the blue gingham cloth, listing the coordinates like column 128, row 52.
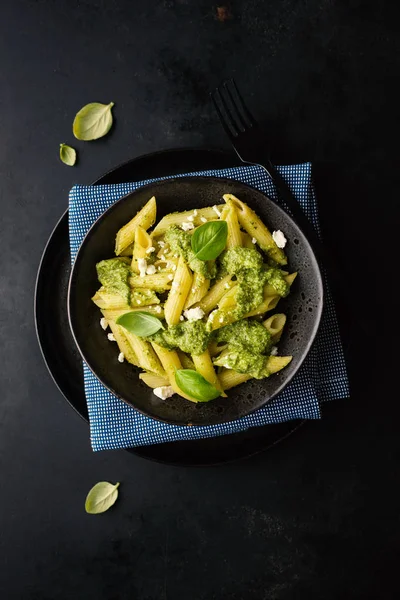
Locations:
column 322, row 377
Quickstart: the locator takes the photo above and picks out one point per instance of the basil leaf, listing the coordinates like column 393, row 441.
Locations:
column 93, row 121
column 67, row 155
column 101, row 497
column 209, row 240
column 194, row 384
column 140, row 323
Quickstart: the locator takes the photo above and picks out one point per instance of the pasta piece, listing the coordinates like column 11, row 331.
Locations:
column 269, row 290
column 269, row 303
column 109, row 300
column 142, row 244
column 186, row 361
column 159, row 282
column 180, row 217
column 215, row 293
column 229, row 214
column 230, row 378
column 224, row 314
column 198, row 290
column 128, row 251
column 153, row 380
column 177, row 296
column 203, row 365
column 275, row 325
column 123, row 344
column 113, row 314
column 216, row 348
column 145, row 218
column 256, row 229
column 146, row 356
column 171, row 363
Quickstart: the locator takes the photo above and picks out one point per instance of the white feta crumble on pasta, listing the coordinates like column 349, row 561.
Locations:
column 203, row 219
column 279, row 238
column 170, row 277
column 253, row 241
column 181, row 318
column 103, row 323
column 187, row 225
column 150, row 250
column 195, row 212
column 274, row 350
column 164, row 392
column 190, row 218
column 161, row 244
column 142, row 266
column 158, row 309
column 121, row 357
column 221, row 319
column 227, row 286
column 150, row 270
column 194, row 314
column 111, row 337
column 216, row 210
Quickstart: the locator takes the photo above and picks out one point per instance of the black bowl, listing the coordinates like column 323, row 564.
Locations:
column 303, row 306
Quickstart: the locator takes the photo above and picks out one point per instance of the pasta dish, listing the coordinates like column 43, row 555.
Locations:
column 186, row 300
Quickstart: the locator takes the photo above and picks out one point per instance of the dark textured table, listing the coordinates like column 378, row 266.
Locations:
column 317, row 517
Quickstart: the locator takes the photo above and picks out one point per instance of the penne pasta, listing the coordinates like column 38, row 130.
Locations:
column 230, row 378
column 146, row 356
column 181, row 217
column 153, row 380
column 181, row 285
column 145, row 218
column 123, row 343
column 143, row 243
column 275, row 325
column 215, row 293
column 153, row 309
column 203, row 365
column 256, row 229
column 229, row 215
column 171, row 363
column 199, row 289
column 159, row 282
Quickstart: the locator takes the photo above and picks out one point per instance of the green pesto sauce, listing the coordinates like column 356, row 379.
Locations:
column 114, row 274
column 236, row 259
column 275, row 278
column 180, row 243
column 246, row 335
column 244, row 361
column 189, row 336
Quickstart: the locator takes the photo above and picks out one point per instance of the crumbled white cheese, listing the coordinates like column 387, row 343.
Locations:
column 121, row 357
column 227, row 286
column 142, row 266
column 163, row 257
column 181, row 318
column 216, row 210
column 170, row 277
column 195, row 212
column 150, row 250
column 221, row 319
column 274, row 351
column 111, row 337
column 173, row 267
column 176, row 255
column 186, row 226
column 164, row 392
column 190, row 218
column 194, row 314
column 103, row 323
column 150, row 270
column 203, row 219
column 161, row 244
column 138, row 302
column 175, row 285
column 253, row 241
column 279, row 238
column 158, row 309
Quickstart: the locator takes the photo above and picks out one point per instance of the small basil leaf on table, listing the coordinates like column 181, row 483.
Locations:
column 140, row 323
column 101, row 497
column 195, row 385
column 67, row 155
column 93, row 121
column 209, row 240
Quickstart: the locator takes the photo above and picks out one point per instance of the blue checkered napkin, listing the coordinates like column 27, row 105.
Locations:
column 322, row 377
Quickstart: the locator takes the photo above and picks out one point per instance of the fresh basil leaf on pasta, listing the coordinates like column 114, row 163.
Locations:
column 67, row 155
column 195, row 385
column 101, row 497
column 140, row 323
column 93, row 121
column 209, row 240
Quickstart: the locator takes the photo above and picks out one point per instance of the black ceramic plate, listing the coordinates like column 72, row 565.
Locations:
column 122, row 379
column 62, row 357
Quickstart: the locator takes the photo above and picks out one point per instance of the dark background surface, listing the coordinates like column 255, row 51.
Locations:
column 318, row 516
